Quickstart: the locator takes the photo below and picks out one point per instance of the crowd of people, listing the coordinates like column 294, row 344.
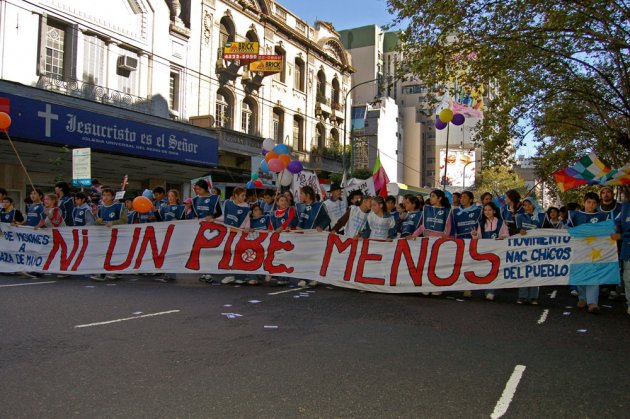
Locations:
column 356, row 215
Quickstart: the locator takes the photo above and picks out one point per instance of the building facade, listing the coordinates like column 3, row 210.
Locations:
column 154, row 71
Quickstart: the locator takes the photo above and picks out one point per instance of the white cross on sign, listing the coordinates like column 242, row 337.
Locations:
column 49, row 116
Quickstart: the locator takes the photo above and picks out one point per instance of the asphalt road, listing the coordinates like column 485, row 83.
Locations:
column 213, row 351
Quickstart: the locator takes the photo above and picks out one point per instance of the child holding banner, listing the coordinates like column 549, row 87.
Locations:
column 53, row 215
column 82, row 212
column 413, row 217
column 533, row 217
column 236, row 214
column 512, row 208
column 380, row 223
column 284, row 217
column 9, row 214
column 436, row 217
column 311, row 215
column 172, row 209
column 62, row 189
column 35, row 211
column 466, row 217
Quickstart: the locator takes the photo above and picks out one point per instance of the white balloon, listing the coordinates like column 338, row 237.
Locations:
column 269, row 144
column 285, row 177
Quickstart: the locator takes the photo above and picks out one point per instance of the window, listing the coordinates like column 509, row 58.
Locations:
column 127, row 79
column 321, row 86
column 226, row 34
column 278, row 124
column 281, row 76
column 298, row 75
column 320, row 136
column 335, row 94
column 173, row 91
column 413, row 89
column 94, row 64
column 55, row 49
column 298, row 133
column 223, row 115
column 248, row 116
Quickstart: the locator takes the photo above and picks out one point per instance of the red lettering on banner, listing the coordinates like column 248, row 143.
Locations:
column 274, row 245
column 112, row 245
column 341, row 246
column 149, row 237
column 201, row 242
column 224, row 263
column 493, row 259
column 415, row 271
column 457, row 265
column 249, row 255
column 365, row 256
column 84, row 234
column 60, row 243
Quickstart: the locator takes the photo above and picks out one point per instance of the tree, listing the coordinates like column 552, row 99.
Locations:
column 538, row 61
column 499, row 179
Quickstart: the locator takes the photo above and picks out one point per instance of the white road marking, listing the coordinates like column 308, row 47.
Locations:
column 508, row 392
column 125, row 319
column 289, row 290
column 543, row 316
column 29, row 283
column 553, row 294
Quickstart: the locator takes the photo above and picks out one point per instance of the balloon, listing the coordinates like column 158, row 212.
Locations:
column 439, row 124
column 281, row 149
column 5, row 120
column 258, row 183
column 295, row 166
column 458, row 119
column 148, row 194
column 285, row 178
column 264, row 167
column 271, row 155
column 264, row 152
column 142, row 204
column 446, row 115
column 254, row 175
column 275, row 165
column 269, row 144
column 285, row 159
column 250, row 185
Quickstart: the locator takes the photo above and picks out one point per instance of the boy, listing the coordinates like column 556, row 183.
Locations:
column 335, row 205
column 82, row 212
column 109, row 213
column 311, row 215
column 9, row 214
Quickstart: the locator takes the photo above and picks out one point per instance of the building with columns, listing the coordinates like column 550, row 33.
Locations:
column 143, row 83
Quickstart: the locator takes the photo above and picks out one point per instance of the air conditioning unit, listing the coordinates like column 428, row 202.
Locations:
column 128, row 63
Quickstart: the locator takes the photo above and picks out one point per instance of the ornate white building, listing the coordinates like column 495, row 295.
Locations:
column 158, row 66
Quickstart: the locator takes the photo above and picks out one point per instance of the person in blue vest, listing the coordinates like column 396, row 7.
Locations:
column 466, row 216
column 622, row 227
column 9, row 214
column 82, row 211
column 533, row 217
column 66, row 204
column 512, row 208
column 35, row 211
column 132, row 214
column 390, row 208
column 609, row 204
column 172, row 210
column 437, row 218
column 312, row 215
column 259, row 219
column 268, row 201
column 552, row 219
column 205, row 206
column 588, row 295
column 284, row 217
column 109, row 214
column 149, row 216
column 413, row 216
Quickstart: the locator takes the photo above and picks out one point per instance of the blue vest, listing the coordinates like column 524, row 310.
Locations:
column 490, row 234
column 131, row 217
column 615, row 211
column 260, row 223
column 111, row 212
column 577, row 218
column 466, row 220
column 234, row 214
column 267, row 208
column 435, row 218
column 277, row 222
column 7, row 217
column 79, row 216
column 529, row 222
column 622, row 224
column 66, row 204
column 410, row 223
column 34, row 215
column 171, row 212
column 312, row 216
column 204, row 206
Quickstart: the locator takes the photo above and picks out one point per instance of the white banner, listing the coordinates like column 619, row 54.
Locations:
column 364, row 185
column 427, row 264
column 305, row 178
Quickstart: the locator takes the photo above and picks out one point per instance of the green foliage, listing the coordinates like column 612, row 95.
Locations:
column 361, row 174
column 60, row 156
column 335, row 177
column 499, row 179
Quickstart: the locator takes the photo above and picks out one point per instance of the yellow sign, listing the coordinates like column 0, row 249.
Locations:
column 267, row 64
column 240, row 51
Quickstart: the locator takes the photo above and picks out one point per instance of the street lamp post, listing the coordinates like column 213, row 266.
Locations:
column 345, row 125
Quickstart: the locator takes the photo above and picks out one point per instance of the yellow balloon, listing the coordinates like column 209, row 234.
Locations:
column 446, row 115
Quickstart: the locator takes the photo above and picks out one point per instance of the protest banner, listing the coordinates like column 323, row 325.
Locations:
column 547, row 257
column 302, row 179
column 364, row 185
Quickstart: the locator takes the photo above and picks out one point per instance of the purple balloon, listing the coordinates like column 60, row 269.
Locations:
column 295, row 166
column 458, row 119
column 439, row 124
column 264, row 152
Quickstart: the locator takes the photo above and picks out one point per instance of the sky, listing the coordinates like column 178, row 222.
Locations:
column 344, row 14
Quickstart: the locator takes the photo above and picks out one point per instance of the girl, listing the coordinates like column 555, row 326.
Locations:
column 35, row 211
column 237, row 215
column 466, row 216
column 259, row 221
column 172, row 210
column 436, row 216
column 532, row 217
column 553, row 220
column 490, row 226
column 413, row 216
column 512, row 208
column 380, row 223
column 284, row 217
column 53, row 215
column 290, row 198
column 188, row 208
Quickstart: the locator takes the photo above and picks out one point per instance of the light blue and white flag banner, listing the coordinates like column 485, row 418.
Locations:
column 585, row 255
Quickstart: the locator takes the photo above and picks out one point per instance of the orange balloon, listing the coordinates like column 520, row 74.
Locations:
column 5, row 120
column 142, row 204
column 271, row 155
column 285, row 159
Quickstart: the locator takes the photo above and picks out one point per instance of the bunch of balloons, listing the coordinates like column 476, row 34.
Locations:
column 446, row 116
column 278, row 160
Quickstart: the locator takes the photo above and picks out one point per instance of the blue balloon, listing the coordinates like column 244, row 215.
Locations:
column 250, row 185
column 264, row 167
column 281, row 149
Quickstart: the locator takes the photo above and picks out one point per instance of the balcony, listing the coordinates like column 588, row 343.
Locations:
column 322, row 106
column 95, row 93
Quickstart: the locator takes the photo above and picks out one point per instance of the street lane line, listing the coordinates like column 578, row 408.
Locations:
column 125, row 319
column 291, row 290
column 30, row 283
column 508, row 393
column 543, row 316
column 553, row 294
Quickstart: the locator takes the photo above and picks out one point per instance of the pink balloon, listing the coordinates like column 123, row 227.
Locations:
column 275, row 165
